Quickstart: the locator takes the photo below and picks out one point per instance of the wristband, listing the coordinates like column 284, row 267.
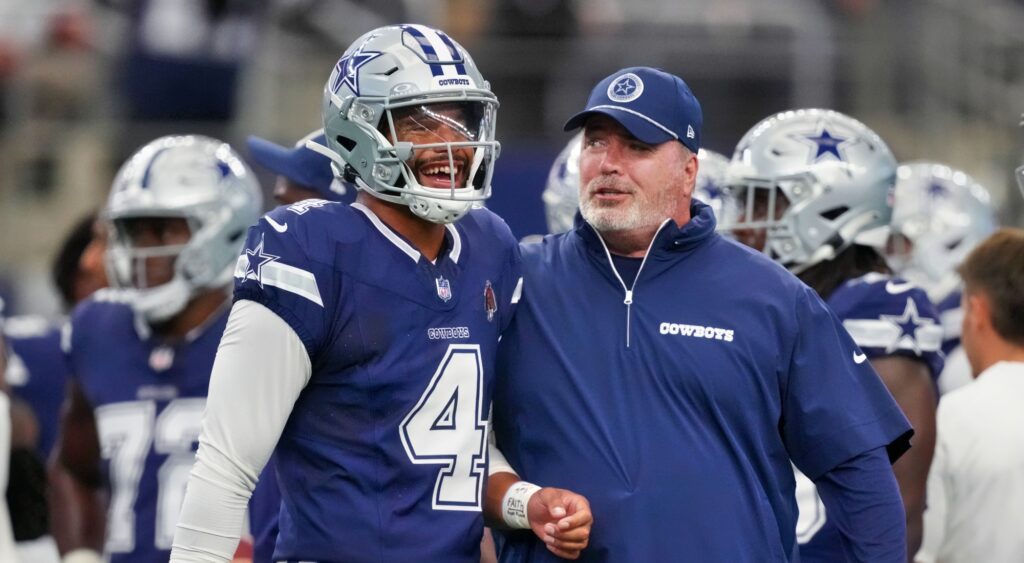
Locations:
column 513, row 506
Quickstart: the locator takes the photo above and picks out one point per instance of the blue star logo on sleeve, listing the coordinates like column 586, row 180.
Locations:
column 825, row 144
column 908, row 323
column 257, row 258
column 347, row 69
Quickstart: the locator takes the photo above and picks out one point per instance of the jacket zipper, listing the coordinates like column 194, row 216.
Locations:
column 628, row 300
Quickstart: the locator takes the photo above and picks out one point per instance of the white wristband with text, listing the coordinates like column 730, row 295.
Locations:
column 513, row 506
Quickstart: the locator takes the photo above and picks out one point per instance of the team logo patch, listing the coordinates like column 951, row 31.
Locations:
column 161, row 358
column 256, row 259
column 490, row 302
column 625, row 88
column 444, row 289
column 346, row 72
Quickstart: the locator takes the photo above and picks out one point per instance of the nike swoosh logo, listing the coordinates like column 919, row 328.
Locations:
column 277, row 226
column 898, row 288
column 859, row 358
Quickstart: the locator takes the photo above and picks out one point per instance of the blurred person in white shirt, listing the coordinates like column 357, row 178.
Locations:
column 976, row 483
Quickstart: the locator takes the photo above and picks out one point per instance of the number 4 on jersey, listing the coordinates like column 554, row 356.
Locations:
column 446, row 427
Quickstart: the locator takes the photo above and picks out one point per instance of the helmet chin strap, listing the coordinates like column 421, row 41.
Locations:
column 160, row 303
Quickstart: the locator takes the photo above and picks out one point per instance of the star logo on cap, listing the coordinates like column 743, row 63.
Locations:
column 826, row 144
column 347, row 69
column 625, row 88
column 256, row 259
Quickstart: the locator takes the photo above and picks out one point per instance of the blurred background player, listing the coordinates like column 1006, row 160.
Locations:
column 37, row 374
column 939, row 215
column 140, row 355
column 814, row 187
column 302, row 173
column 561, row 195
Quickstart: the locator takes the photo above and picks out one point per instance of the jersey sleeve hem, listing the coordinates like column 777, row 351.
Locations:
column 890, row 430
column 281, row 311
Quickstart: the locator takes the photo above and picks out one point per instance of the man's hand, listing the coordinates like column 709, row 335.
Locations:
column 561, row 519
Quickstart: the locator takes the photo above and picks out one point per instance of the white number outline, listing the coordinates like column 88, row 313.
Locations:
column 127, row 431
column 447, row 369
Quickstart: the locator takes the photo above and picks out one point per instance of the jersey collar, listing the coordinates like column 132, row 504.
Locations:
column 452, row 238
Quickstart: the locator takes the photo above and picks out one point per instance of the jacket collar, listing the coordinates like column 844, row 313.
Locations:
column 670, row 238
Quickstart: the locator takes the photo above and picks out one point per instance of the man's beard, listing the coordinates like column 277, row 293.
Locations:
column 642, row 210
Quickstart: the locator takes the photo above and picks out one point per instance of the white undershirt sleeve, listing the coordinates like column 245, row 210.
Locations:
column 496, row 460
column 261, row 368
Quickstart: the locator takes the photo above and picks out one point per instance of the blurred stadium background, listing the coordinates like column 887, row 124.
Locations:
column 85, row 82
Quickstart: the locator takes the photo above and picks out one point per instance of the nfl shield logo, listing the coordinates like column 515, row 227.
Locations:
column 490, row 302
column 444, row 289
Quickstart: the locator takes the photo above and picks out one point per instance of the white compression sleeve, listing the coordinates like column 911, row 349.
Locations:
column 496, row 460
column 261, row 368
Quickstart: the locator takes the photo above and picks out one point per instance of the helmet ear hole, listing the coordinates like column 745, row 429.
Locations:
column 346, row 142
column 834, row 213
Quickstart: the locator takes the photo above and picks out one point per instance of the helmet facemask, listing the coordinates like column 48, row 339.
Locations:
column 435, row 156
column 409, row 119
column 144, row 257
column 176, row 219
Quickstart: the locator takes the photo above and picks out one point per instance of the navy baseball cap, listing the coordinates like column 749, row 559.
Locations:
column 653, row 105
column 299, row 164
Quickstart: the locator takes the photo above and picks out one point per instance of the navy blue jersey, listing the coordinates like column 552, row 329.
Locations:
column 148, row 398
column 886, row 317
column 890, row 317
column 37, row 372
column 677, row 412
column 383, row 457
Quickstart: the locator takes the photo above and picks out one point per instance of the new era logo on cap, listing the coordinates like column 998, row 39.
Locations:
column 653, row 105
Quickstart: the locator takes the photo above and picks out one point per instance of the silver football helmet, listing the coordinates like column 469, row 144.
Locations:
column 710, row 187
column 939, row 215
column 199, row 179
column 562, row 192
column 814, row 182
column 409, row 116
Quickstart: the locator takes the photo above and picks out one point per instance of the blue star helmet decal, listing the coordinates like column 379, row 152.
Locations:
column 826, row 144
column 256, row 260
column 937, row 191
column 346, row 71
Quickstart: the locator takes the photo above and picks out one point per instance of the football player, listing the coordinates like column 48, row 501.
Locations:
column 362, row 337
column 815, row 189
column 562, row 199
column 140, row 355
column 37, row 373
column 939, row 215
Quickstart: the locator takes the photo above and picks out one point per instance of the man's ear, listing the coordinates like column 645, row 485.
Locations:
column 977, row 311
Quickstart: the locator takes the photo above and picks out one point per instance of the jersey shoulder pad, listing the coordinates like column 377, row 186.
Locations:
column 488, row 224
column 27, row 326
column 890, row 316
